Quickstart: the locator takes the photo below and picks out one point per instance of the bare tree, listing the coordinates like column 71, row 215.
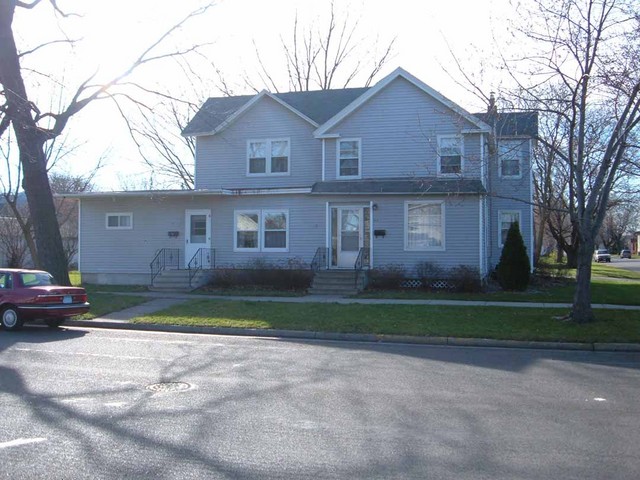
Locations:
column 331, row 56
column 621, row 217
column 588, row 53
column 34, row 128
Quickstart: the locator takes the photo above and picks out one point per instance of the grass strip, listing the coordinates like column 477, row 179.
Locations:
column 103, row 303
column 470, row 322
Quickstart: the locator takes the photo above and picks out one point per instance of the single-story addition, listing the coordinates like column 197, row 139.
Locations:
column 338, row 180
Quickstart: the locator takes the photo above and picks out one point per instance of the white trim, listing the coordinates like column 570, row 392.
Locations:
column 520, row 159
column 268, row 163
column 482, row 160
column 371, row 211
column 531, row 215
column 79, row 232
column 397, row 73
column 328, row 231
column 235, row 230
column 481, row 236
column 441, row 248
column 507, row 211
column 265, row 212
column 142, row 193
column 265, row 191
column 348, row 177
column 261, row 212
column 324, row 159
column 439, row 173
column 118, row 214
column 244, row 108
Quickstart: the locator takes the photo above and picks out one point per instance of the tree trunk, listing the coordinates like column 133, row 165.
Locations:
column 581, row 311
column 30, row 141
column 50, row 250
column 572, row 256
column 559, row 254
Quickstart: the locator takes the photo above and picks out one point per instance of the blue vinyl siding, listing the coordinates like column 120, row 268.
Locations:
column 398, row 129
column 221, row 159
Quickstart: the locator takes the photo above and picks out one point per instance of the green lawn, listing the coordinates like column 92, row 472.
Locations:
column 484, row 322
column 103, row 303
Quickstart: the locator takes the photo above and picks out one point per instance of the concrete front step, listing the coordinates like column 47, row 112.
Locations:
column 335, row 291
column 177, row 281
column 336, row 282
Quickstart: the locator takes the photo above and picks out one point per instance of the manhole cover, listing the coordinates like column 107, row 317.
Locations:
column 169, row 387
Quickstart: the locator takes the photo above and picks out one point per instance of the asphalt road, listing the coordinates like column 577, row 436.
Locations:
column 75, row 404
column 632, row 264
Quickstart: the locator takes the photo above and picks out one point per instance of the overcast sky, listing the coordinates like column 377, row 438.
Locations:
column 113, row 32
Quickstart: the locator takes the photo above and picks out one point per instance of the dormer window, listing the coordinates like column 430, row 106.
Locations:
column 349, row 160
column 449, row 155
column 268, row 157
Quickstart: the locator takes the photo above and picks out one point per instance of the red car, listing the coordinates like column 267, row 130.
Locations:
column 33, row 295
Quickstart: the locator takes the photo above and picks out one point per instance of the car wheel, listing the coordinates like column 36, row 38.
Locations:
column 54, row 322
column 11, row 318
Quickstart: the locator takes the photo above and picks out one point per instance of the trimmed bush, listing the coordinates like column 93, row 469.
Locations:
column 513, row 271
column 387, row 277
column 466, row 279
column 292, row 275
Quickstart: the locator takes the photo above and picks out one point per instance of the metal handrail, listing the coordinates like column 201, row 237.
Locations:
column 204, row 256
column 361, row 262
column 166, row 257
column 320, row 259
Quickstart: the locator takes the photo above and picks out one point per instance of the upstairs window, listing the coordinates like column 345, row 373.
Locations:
column 349, row 158
column 449, row 155
column 119, row 221
column 511, row 155
column 268, row 157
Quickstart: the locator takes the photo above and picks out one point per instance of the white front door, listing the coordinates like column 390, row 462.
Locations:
column 350, row 237
column 197, row 235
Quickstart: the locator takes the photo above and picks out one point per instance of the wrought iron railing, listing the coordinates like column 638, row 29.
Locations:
column 166, row 257
column 204, row 258
column 319, row 261
column 362, row 262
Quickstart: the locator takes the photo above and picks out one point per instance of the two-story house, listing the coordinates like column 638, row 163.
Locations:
column 394, row 174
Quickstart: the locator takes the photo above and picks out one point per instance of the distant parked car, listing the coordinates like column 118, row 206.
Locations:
column 33, row 295
column 624, row 253
column 602, row 255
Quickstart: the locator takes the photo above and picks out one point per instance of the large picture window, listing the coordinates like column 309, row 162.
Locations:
column 511, row 155
column 424, row 226
column 450, row 155
column 268, row 157
column 349, row 163
column 119, row 221
column 262, row 230
column 507, row 217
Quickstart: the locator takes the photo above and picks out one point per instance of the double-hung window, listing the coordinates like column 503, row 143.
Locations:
column 450, row 154
column 506, row 218
column 119, row 221
column 511, row 155
column 424, row 225
column 268, row 157
column 261, row 230
column 349, row 160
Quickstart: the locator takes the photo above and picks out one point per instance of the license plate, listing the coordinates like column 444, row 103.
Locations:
column 67, row 299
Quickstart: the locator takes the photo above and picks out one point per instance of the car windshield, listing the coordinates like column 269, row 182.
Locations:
column 603, row 251
column 38, row 279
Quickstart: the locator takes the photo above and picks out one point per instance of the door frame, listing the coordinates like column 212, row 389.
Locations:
column 189, row 249
column 338, row 208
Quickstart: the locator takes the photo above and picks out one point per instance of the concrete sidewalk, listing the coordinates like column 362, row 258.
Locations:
column 160, row 301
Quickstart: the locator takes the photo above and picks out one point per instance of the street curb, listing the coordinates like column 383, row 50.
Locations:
column 361, row 337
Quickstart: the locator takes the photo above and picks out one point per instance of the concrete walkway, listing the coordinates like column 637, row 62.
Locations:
column 159, row 301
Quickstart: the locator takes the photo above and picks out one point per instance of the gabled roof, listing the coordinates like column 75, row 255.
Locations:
column 512, row 124
column 400, row 73
column 315, row 106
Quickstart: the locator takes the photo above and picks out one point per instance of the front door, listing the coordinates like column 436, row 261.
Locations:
column 197, row 235
column 350, row 235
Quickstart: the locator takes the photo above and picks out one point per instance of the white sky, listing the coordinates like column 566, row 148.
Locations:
column 115, row 31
